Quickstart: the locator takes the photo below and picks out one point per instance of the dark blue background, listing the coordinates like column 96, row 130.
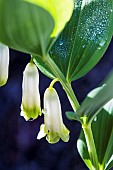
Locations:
column 19, row 148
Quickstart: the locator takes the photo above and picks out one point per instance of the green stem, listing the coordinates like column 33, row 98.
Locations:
column 75, row 105
column 53, row 82
column 66, row 86
column 101, row 167
column 91, row 145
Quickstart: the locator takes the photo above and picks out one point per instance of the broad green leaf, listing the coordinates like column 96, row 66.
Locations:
column 83, row 150
column 102, row 128
column 84, row 39
column 25, row 26
column 29, row 25
column 61, row 11
column 96, row 99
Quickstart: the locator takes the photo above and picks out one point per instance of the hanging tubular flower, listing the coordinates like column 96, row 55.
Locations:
column 53, row 127
column 4, row 64
column 30, row 107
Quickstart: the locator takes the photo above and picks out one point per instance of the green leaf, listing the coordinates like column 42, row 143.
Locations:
column 25, row 26
column 83, row 150
column 84, row 39
column 61, row 11
column 31, row 26
column 96, row 99
column 72, row 116
column 102, row 129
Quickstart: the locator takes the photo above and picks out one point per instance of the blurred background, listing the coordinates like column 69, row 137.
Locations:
column 19, row 148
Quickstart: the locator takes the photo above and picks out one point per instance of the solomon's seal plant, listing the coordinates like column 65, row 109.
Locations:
column 65, row 39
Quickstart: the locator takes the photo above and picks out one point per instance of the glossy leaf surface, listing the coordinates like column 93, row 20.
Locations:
column 102, row 128
column 25, row 27
column 31, row 27
column 61, row 11
column 96, row 99
column 84, row 40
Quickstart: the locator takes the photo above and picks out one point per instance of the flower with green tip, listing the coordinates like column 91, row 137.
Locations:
column 30, row 107
column 4, row 64
column 54, row 128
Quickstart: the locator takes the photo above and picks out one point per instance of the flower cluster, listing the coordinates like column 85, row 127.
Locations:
column 53, row 127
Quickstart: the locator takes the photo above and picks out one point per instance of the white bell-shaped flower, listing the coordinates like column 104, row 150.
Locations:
column 30, row 107
column 4, row 64
column 53, row 125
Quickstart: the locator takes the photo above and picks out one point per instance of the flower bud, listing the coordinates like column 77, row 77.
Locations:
column 54, row 127
column 4, row 64
column 30, row 108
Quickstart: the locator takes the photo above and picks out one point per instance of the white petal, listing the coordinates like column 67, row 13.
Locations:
column 31, row 85
column 4, row 64
column 30, row 92
column 53, row 115
column 53, row 129
column 42, row 132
